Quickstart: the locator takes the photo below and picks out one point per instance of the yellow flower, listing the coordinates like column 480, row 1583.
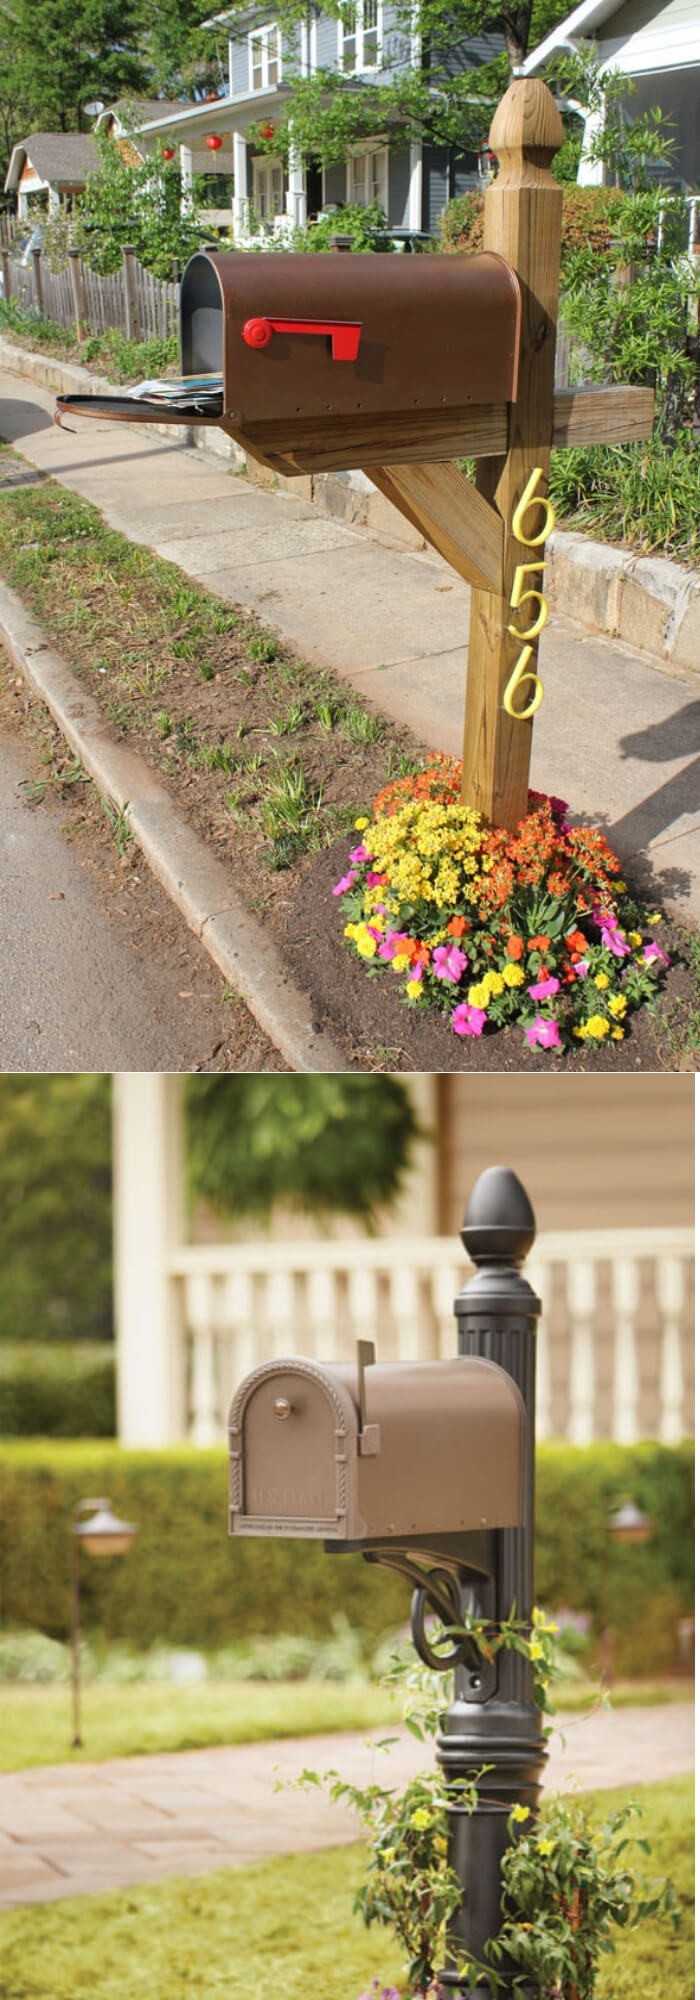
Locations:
column 360, row 825
column 545, row 1847
column 492, row 982
column 520, row 1813
column 617, row 1035
column 401, row 962
column 656, row 919
column 366, row 946
column 536, row 1650
column 420, row 1818
column 601, row 980
column 634, row 938
column 479, row 995
column 618, row 1006
column 513, row 975
column 414, row 988
column 581, row 1032
column 440, row 1845
column 618, row 885
column 597, row 1027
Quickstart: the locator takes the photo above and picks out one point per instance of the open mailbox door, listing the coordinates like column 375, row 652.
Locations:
column 297, row 351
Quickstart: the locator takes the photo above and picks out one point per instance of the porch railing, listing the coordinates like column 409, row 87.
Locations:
column 615, row 1347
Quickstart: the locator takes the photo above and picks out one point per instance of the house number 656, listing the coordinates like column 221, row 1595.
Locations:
column 523, row 592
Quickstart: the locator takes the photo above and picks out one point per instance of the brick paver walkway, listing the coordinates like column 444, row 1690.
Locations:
column 68, row 1829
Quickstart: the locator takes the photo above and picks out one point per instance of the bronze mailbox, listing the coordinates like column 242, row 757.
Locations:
column 400, row 1450
column 343, row 356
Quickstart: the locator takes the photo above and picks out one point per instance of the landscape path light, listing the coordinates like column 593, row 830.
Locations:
column 101, row 1533
column 625, row 1524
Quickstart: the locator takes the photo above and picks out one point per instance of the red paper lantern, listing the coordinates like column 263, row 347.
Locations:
column 268, row 131
column 167, row 153
column 213, row 142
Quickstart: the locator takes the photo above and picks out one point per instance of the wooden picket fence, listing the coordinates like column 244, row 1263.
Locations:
column 141, row 306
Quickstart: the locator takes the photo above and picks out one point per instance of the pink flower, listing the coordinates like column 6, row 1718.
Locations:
column 542, row 1033
column 346, row 882
column 392, row 943
column 468, row 1020
column 611, row 935
column 544, row 988
column 373, row 880
column 448, row 962
column 359, row 853
column 654, row 955
column 580, row 968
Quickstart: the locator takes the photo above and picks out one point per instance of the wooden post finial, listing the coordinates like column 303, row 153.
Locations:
column 526, row 126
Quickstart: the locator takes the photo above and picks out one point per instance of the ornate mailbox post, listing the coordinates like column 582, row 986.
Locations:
column 428, row 1468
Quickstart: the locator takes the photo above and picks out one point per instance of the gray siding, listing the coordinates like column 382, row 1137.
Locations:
column 239, row 67
column 326, row 42
column 399, row 186
column 445, row 175
column 335, row 182
column 469, row 54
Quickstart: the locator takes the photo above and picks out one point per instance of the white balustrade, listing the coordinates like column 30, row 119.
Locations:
column 602, row 1292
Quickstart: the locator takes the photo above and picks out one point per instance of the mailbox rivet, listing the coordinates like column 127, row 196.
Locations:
column 282, row 1406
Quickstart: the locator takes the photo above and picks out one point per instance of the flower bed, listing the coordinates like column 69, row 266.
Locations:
column 492, row 928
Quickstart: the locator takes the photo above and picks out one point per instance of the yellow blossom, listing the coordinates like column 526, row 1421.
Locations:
column 536, row 1650
column 617, row 1035
column 618, row 1006
column 360, row 825
column 414, row 988
column 545, row 1847
column 420, row 1818
column 520, row 1813
column 597, row 1027
column 656, row 919
column 366, row 945
column 634, row 938
column 601, row 980
column 401, row 962
column 513, row 975
column 479, row 996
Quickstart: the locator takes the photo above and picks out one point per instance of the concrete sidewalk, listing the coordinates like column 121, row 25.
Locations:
column 68, row 1830
column 616, row 736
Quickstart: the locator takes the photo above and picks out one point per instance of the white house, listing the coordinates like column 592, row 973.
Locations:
column 655, row 42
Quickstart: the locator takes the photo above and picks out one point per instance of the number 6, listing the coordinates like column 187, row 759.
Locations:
column 518, row 596
column 530, row 499
column 518, row 678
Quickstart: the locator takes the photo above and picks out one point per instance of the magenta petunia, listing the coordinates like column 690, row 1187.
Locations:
column 611, row 935
column 448, row 962
column 544, row 989
column 392, row 944
column 359, row 853
column 468, row 1020
column 542, row 1033
column 581, row 968
column 653, row 955
column 346, row 882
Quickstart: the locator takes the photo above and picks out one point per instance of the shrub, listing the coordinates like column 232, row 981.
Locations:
column 57, row 1389
column 590, row 218
column 185, row 1583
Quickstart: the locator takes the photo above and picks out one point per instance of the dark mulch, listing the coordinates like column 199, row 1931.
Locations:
column 367, row 1017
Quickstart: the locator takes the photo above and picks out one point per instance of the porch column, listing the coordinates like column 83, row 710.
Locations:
column 417, row 1210
column 149, row 1222
column 240, row 185
column 415, row 192
column 185, row 179
column 591, row 173
column 296, row 190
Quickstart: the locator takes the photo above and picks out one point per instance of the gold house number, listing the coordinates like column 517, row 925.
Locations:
column 523, row 591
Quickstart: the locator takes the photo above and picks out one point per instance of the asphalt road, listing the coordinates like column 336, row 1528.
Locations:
column 96, row 969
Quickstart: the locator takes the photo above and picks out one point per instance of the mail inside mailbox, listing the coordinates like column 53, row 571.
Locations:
column 304, row 336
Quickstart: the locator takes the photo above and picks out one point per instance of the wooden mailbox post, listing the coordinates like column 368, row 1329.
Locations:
column 493, row 531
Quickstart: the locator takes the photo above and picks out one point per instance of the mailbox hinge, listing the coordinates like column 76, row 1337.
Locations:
column 369, row 1442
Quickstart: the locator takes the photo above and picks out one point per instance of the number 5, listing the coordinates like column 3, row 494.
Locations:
column 518, row 678
column 518, row 596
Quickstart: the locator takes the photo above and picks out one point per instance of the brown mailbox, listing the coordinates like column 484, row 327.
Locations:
column 335, row 354
column 401, row 1450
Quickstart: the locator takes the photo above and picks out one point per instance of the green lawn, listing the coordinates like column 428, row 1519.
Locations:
column 284, row 1931
column 144, row 1716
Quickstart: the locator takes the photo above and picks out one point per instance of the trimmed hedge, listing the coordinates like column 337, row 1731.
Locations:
column 57, row 1389
column 185, row 1582
column 589, row 218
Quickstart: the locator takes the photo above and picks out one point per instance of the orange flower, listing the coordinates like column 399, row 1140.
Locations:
column 539, row 943
column 576, row 941
column 456, row 927
column 514, row 947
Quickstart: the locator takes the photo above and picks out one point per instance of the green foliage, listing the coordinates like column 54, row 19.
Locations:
column 366, row 226
column 63, row 53
column 320, row 1143
column 567, row 1887
column 138, row 205
column 55, row 1210
column 60, row 1389
column 645, row 495
column 631, row 311
column 590, row 218
column 633, row 149
column 184, row 1582
column 129, row 360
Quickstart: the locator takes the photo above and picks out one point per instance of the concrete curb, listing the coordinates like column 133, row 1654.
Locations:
column 196, row 882
column 646, row 601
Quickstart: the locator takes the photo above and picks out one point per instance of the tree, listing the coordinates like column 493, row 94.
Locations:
column 55, row 1208
column 439, row 102
column 68, row 52
column 183, row 59
column 320, row 1143
column 139, row 203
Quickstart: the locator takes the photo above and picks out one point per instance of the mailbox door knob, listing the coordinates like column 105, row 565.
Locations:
column 344, row 333
column 282, row 1406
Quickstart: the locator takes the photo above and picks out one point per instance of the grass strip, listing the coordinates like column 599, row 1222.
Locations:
column 286, row 1928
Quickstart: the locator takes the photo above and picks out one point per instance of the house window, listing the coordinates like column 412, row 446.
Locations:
column 359, row 29
column 268, row 189
column 265, row 58
column 368, row 178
